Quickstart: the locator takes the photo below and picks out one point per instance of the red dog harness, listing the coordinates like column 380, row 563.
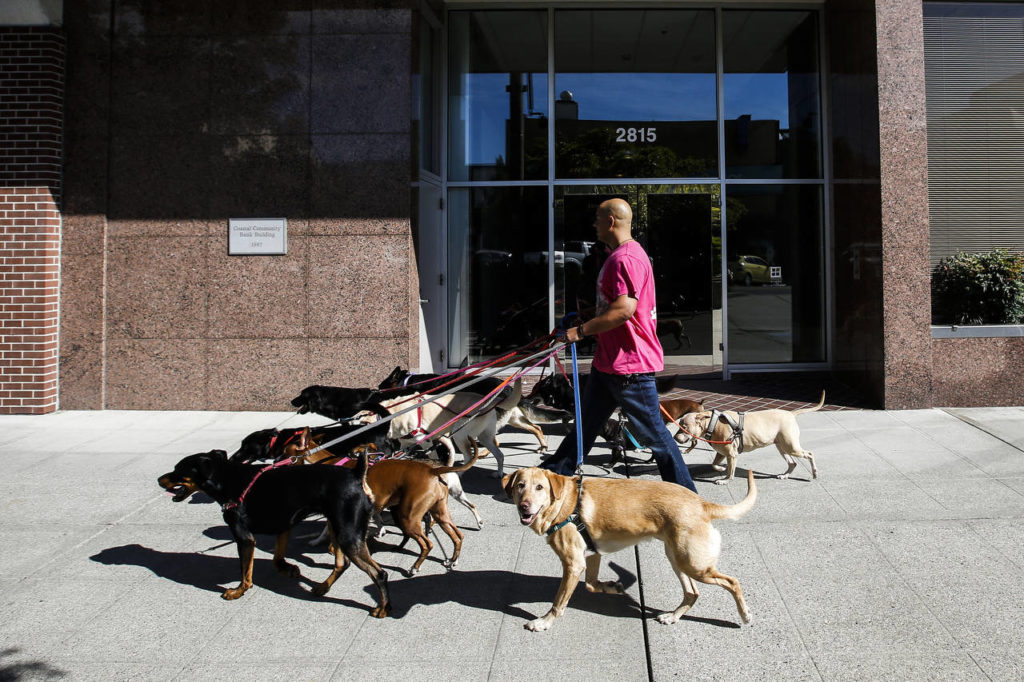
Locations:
column 241, row 498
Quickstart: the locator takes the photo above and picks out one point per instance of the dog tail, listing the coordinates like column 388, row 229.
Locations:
column 812, row 409
column 511, row 397
column 735, row 511
column 362, row 466
column 440, row 471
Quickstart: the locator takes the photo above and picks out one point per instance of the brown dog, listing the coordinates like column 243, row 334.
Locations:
column 619, row 513
column 760, row 428
column 673, row 410
column 411, row 489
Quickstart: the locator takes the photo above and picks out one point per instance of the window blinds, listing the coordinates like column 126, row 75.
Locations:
column 974, row 65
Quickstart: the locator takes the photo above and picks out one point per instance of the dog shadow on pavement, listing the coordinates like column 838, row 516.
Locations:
column 217, row 573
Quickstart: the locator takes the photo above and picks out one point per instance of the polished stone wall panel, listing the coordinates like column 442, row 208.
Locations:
column 162, row 85
column 198, row 112
column 161, row 178
column 259, row 85
column 977, row 372
column 259, row 176
column 360, row 176
column 359, row 287
column 156, row 374
column 256, row 297
column 362, row 17
column 259, row 17
column 254, row 374
column 361, row 84
column 83, row 225
column 356, row 362
column 157, row 288
column 905, row 229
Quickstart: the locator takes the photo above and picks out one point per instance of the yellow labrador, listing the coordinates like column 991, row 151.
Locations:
column 619, row 513
column 760, row 428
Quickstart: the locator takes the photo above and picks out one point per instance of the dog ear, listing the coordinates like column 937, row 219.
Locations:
column 508, row 480
column 557, row 483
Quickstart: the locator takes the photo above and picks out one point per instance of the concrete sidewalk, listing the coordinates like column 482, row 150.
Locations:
column 904, row 560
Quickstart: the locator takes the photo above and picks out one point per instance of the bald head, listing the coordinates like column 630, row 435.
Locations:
column 618, row 209
column 614, row 222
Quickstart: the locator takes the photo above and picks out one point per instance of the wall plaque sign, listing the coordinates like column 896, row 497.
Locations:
column 257, row 236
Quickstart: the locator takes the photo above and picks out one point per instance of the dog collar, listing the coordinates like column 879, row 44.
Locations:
column 580, row 526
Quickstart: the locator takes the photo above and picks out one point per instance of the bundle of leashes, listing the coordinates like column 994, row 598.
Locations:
column 477, row 373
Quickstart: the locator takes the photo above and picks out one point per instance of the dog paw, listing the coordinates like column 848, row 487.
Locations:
column 606, row 587
column 289, row 570
column 667, row 618
column 381, row 611
column 233, row 593
column 538, row 625
column 722, row 481
column 781, row 475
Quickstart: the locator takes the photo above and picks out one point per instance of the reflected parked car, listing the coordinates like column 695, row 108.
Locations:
column 749, row 270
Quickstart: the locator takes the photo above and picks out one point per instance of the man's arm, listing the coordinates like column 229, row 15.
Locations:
column 620, row 310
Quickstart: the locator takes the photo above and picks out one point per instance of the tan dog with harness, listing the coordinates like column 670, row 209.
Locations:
column 730, row 433
column 619, row 513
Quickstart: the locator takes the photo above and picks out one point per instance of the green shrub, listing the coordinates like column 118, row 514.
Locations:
column 979, row 288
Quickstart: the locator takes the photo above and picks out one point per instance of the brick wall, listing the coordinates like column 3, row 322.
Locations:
column 31, row 111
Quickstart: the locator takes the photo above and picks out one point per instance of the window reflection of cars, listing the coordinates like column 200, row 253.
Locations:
column 749, row 270
column 572, row 253
column 492, row 257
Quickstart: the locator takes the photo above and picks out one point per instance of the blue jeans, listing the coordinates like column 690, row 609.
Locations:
column 638, row 398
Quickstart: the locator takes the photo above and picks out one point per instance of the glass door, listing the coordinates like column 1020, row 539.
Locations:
column 679, row 226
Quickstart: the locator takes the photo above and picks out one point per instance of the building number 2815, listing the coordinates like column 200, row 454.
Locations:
column 636, row 134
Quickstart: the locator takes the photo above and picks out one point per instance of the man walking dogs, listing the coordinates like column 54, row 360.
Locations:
column 628, row 351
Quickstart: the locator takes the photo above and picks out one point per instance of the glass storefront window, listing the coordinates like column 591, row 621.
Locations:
column 497, row 270
column 680, row 228
column 635, row 94
column 775, row 274
column 630, row 100
column 498, row 96
column 772, row 94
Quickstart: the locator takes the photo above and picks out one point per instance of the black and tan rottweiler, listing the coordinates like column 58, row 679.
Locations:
column 262, row 500
column 270, row 445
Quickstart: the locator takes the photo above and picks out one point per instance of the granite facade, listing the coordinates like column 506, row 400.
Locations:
column 182, row 115
column 190, row 113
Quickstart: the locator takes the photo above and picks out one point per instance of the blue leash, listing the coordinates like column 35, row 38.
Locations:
column 576, row 400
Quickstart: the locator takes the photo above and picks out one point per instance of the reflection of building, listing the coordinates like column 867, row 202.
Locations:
column 140, row 130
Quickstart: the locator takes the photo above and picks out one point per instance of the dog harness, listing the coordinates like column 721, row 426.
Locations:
column 231, row 505
column 735, row 425
column 576, row 520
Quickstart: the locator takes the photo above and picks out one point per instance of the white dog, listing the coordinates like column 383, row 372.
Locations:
column 760, row 428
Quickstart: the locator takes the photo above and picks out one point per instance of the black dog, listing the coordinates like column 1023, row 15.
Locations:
column 256, row 499
column 335, row 402
column 403, row 382
column 269, row 445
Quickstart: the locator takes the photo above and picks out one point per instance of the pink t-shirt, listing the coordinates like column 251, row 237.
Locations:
column 633, row 347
